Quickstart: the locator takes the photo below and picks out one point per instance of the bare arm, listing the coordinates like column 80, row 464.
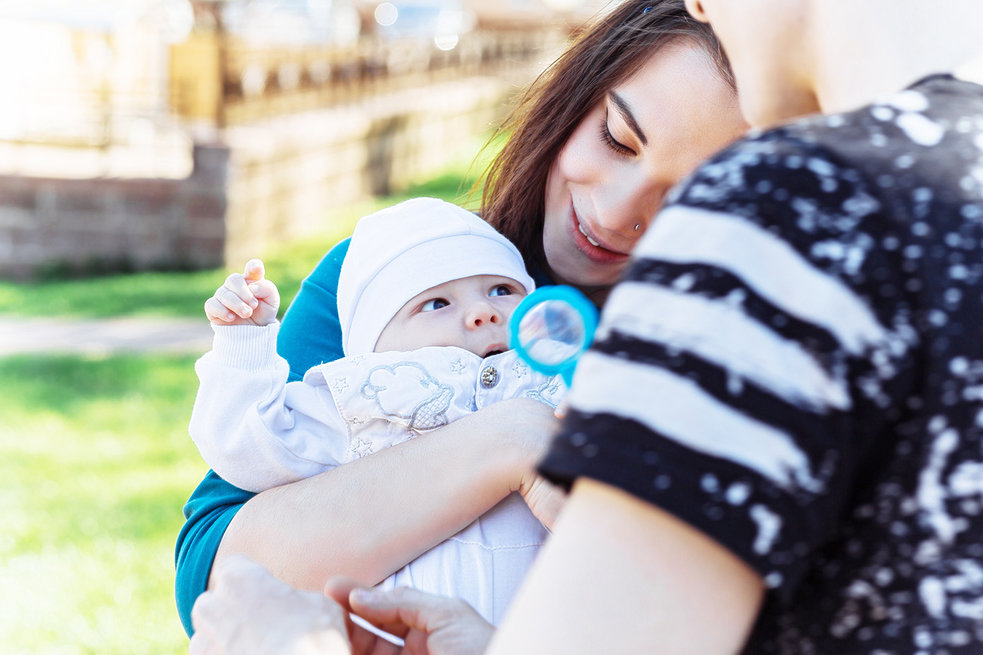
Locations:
column 368, row 518
column 621, row 576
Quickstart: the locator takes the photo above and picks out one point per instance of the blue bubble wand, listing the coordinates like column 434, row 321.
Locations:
column 551, row 328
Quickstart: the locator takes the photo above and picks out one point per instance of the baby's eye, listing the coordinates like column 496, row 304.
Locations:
column 435, row 303
column 501, row 290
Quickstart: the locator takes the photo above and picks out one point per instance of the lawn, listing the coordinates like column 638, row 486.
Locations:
column 96, row 462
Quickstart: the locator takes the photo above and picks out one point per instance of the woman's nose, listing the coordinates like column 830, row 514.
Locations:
column 624, row 206
column 482, row 313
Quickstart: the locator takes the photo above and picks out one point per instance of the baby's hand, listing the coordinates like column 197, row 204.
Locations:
column 244, row 299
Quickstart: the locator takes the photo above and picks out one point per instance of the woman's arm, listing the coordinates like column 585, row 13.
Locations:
column 620, row 575
column 372, row 516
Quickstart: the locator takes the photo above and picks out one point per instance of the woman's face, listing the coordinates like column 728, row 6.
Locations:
column 612, row 173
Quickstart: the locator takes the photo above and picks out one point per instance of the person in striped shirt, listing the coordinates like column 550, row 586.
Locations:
column 776, row 443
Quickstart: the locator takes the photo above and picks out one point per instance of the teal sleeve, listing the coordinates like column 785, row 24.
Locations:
column 207, row 514
column 310, row 334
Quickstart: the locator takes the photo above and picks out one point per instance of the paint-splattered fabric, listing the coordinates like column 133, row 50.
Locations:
column 794, row 365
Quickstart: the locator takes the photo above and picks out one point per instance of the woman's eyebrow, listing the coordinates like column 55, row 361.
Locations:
column 628, row 117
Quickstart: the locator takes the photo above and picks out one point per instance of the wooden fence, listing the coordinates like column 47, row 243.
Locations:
column 221, row 80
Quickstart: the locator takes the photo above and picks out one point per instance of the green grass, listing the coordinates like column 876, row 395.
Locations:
column 96, row 464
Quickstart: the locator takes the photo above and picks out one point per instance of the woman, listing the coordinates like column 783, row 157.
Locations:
column 642, row 97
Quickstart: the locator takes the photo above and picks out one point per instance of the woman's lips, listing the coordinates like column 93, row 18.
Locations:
column 588, row 244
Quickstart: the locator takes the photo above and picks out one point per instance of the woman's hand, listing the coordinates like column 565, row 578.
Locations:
column 535, row 424
column 249, row 612
column 525, row 428
column 544, row 499
column 428, row 624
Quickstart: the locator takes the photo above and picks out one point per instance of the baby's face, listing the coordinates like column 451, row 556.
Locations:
column 471, row 313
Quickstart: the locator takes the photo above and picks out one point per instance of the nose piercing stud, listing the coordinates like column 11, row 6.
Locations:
column 637, row 225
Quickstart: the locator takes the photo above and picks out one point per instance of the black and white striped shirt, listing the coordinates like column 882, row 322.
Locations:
column 793, row 364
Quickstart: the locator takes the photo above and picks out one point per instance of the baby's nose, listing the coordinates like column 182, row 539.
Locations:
column 482, row 313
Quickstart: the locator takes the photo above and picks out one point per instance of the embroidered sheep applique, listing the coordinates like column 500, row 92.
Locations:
column 409, row 385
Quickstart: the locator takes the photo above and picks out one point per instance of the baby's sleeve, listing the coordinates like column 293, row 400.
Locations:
column 251, row 426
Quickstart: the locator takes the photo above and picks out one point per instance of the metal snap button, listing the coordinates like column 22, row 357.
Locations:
column 489, row 377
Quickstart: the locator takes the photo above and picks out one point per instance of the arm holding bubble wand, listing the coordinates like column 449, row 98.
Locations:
column 550, row 329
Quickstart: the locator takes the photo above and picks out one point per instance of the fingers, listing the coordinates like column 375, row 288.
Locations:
column 265, row 291
column 254, row 270
column 233, row 300
column 250, row 612
column 242, row 297
column 428, row 623
column 338, row 588
column 403, row 609
column 207, row 612
column 364, row 641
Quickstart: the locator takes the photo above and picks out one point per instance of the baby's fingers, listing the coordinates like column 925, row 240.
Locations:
column 265, row 291
column 237, row 296
column 232, row 300
column 254, row 270
column 217, row 312
column 226, row 307
column 236, row 288
column 269, row 302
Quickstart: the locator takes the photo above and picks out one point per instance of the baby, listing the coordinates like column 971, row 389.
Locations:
column 424, row 299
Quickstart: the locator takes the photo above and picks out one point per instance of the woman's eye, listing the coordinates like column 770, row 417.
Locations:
column 501, row 290
column 609, row 139
column 435, row 303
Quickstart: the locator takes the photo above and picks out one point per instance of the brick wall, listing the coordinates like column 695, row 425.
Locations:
column 107, row 224
column 261, row 184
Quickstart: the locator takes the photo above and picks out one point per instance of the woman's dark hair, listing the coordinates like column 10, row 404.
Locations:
column 609, row 50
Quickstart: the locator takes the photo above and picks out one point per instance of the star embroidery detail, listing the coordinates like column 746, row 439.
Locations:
column 519, row 369
column 457, row 365
column 339, row 384
column 360, row 447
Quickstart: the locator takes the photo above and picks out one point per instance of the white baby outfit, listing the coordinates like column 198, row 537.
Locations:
column 359, row 405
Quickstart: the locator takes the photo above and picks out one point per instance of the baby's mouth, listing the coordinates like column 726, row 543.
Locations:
column 495, row 349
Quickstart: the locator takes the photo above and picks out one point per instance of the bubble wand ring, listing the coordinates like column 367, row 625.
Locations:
column 551, row 328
